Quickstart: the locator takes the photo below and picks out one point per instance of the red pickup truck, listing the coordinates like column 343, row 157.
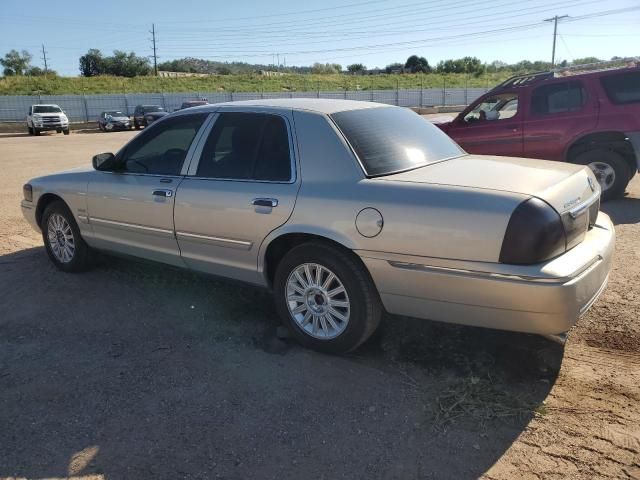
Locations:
column 579, row 116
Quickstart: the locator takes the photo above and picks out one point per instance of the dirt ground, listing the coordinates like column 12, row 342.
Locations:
column 134, row 370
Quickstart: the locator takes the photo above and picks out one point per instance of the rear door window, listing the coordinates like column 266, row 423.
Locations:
column 623, row 88
column 247, row 146
column 558, row 98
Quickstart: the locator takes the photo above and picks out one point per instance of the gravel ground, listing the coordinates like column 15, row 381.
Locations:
column 135, row 370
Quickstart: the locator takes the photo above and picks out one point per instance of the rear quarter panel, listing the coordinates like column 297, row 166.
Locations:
column 419, row 219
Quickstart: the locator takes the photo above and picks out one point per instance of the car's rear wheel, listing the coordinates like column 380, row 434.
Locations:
column 62, row 240
column 326, row 298
column 135, row 124
column 611, row 171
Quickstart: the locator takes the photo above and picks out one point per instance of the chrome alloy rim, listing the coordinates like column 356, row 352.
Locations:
column 605, row 174
column 318, row 301
column 61, row 240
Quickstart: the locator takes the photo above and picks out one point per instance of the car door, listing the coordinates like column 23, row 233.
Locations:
column 130, row 210
column 241, row 185
column 491, row 126
column 558, row 113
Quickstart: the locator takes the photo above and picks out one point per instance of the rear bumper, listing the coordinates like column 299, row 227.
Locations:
column 543, row 299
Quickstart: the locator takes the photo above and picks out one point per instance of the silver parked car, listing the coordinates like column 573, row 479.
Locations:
column 344, row 209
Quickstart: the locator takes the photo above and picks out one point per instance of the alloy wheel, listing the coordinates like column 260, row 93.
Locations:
column 318, row 301
column 61, row 240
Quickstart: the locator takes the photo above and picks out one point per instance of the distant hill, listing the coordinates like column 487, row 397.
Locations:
column 199, row 65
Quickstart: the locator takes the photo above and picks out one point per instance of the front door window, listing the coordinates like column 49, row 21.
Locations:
column 495, row 107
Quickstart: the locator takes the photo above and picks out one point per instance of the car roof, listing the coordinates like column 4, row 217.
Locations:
column 45, row 105
column 319, row 105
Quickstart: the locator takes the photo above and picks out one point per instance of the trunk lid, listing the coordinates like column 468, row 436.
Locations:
column 562, row 185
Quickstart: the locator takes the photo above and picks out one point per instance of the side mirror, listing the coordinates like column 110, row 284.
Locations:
column 105, row 162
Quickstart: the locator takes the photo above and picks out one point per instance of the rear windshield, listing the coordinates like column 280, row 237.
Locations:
column 152, row 108
column 623, row 88
column 115, row 114
column 389, row 140
column 46, row 109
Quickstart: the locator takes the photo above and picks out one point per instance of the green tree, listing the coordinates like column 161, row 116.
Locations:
column 123, row 64
column 394, row 68
column 416, row 64
column 326, row 68
column 92, row 63
column 15, row 63
column 585, row 60
column 356, row 68
column 39, row 72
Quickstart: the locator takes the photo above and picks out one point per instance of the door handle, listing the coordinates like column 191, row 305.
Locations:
column 265, row 202
column 163, row 193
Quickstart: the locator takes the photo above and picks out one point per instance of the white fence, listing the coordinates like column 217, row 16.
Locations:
column 86, row 108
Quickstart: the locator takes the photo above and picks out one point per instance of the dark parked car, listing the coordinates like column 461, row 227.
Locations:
column 145, row 115
column 192, row 103
column 114, row 120
column 577, row 115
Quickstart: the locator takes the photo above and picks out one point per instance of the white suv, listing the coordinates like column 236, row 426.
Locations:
column 47, row 117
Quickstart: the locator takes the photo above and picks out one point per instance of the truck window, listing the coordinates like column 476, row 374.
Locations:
column 623, row 88
column 558, row 98
column 495, row 107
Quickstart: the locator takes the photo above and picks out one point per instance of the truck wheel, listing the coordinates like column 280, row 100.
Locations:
column 36, row 132
column 326, row 298
column 135, row 124
column 611, row 171
column 30, row 130
column 62, row 240
column 65, row 131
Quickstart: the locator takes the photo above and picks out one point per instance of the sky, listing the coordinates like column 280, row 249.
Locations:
column 375, row 33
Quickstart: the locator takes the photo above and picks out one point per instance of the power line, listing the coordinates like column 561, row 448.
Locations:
column 443, row 25
column 277, row 14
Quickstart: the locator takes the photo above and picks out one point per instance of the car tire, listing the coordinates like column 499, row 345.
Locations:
column 611, row 170
column 36, row 132
column 135, row 124
column 62, row 240
column 65, row 132
column 30, row 130
column 318, row 314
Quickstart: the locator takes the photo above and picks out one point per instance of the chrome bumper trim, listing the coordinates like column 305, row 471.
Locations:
column 494, row 275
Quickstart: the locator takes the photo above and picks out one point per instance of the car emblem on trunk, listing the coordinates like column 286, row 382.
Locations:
column 592, row 185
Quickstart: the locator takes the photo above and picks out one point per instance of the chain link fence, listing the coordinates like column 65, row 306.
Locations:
column 87, row 108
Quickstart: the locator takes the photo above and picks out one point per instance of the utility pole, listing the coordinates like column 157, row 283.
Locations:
column 155, row 56
column 44, row 57
column 555, row 34
column 278, row 55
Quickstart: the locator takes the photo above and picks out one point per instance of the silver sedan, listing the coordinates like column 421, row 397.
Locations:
column 345, row 210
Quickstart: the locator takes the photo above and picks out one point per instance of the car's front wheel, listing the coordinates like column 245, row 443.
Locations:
column 62, row 239
column 326, row 298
